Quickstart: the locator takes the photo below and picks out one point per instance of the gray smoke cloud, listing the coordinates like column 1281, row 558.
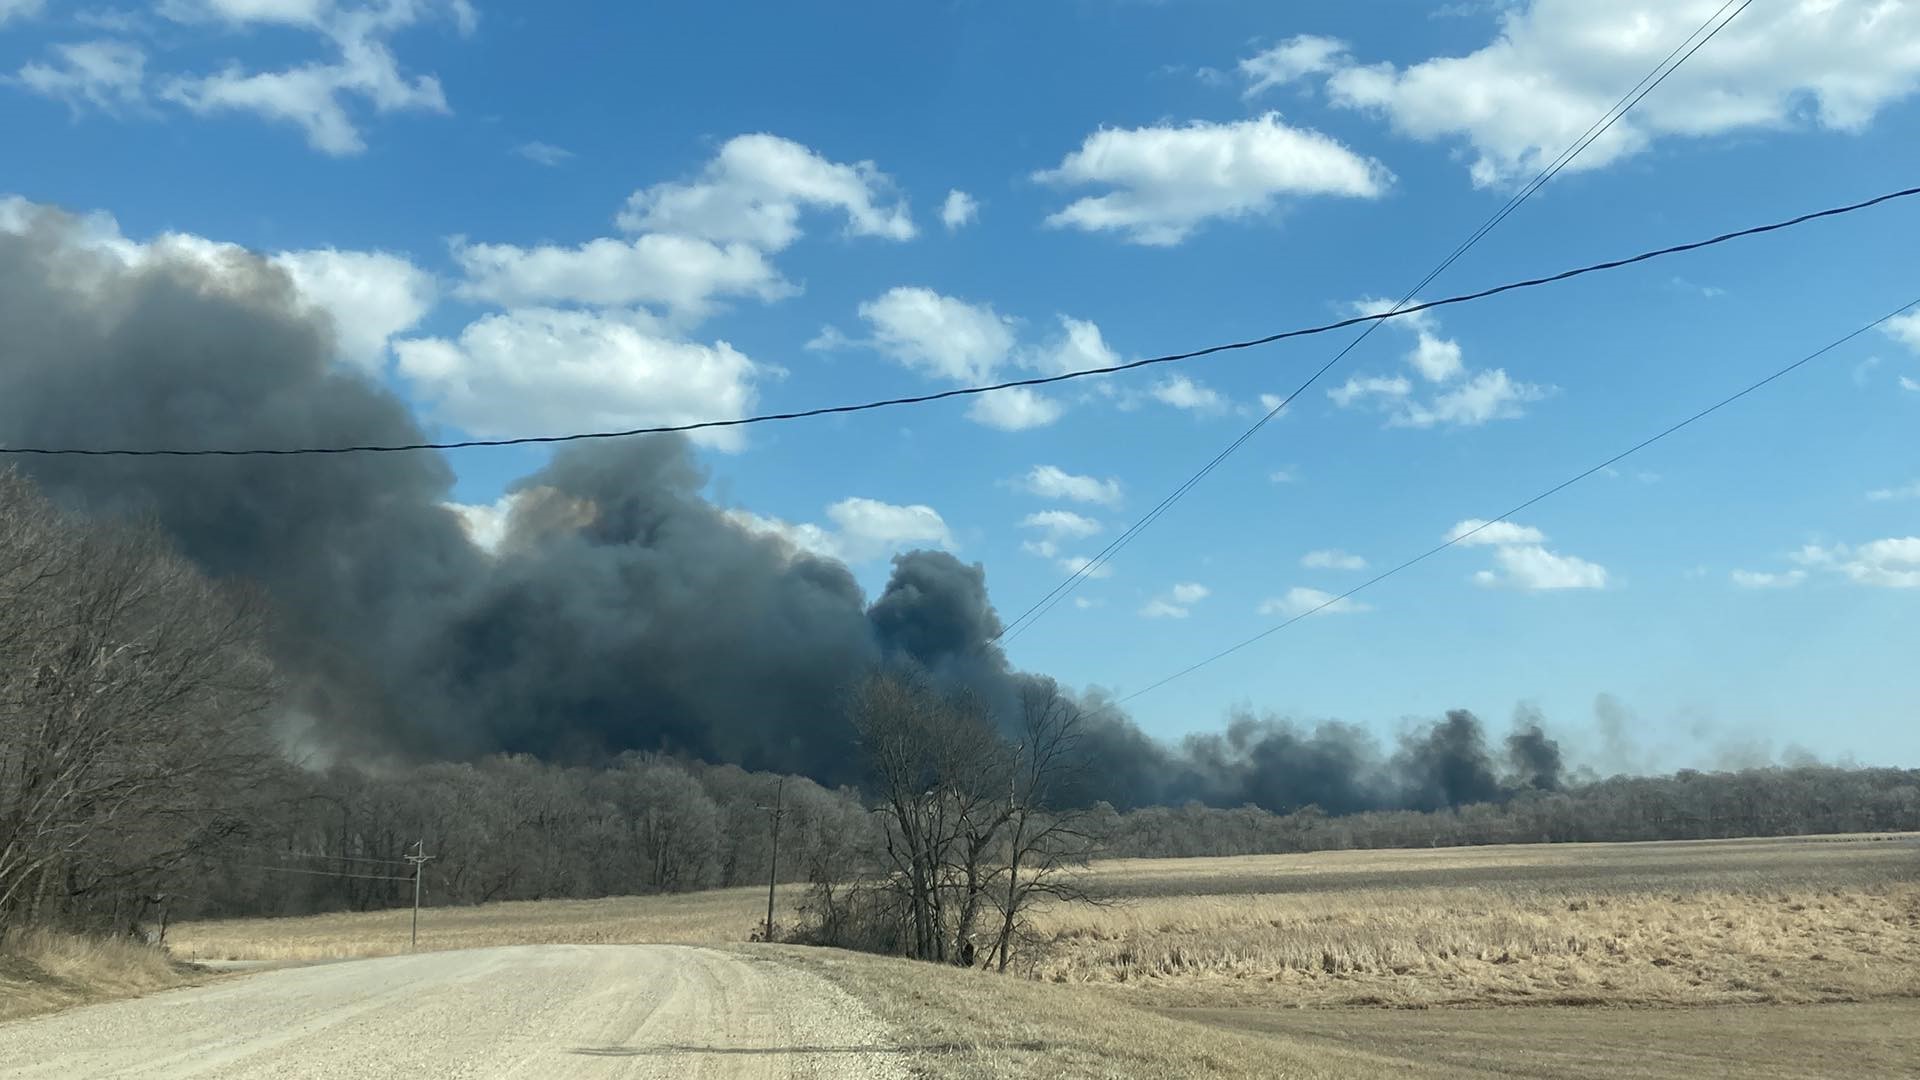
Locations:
column 621, row 610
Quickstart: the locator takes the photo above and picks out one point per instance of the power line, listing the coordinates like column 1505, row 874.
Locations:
column 1555, row 489
column 1647, row 84
column 322, row 873
column 343, row 858
column 1308, row 331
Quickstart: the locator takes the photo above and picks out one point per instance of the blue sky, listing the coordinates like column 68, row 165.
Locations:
column 529, row 221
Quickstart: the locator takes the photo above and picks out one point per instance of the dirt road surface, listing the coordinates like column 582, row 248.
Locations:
column 539, row 1011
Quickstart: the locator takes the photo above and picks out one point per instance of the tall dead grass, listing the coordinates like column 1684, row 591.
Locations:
column 43, row 970
column 703, row 918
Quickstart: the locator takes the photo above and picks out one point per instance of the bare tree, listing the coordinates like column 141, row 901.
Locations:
column 1050, row 829
column 131, row 697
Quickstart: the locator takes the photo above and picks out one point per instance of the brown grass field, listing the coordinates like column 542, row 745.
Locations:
column 42, row 971
column 1766, row 958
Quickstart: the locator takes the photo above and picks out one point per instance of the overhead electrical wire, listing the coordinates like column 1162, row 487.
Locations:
column 1648, row 83
column 1523, row 506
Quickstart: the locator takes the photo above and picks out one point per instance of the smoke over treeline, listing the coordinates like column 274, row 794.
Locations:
column 621, row 610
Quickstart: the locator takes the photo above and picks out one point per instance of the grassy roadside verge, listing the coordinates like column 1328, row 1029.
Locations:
column 960, row 1024
column 41, row 971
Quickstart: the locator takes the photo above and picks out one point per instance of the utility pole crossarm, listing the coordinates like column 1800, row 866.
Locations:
column 419, row 859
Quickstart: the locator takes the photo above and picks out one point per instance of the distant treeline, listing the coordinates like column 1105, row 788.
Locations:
column 1687, row 805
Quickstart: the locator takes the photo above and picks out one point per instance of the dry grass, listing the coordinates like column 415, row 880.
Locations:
column 704, row 918
column 41, row 970
column 1807, row 920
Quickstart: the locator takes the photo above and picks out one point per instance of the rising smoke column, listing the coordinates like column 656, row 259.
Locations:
column 620, row 611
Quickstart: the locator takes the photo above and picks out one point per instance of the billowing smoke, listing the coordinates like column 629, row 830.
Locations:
column 620, row 609
column 1340, row 768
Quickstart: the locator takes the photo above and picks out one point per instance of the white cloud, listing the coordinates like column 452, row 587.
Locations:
column 486, row 523
column 1754, row 579
column 1558, row 65
column 1177, row 602
column 960, row 209
column 1078, row 564
column 939, row 335
column 316, row 96
column 1306, row 54
column 754, row 190
column 1332, row 559
column 19, row 9
column 1283, row 476
column 1436, row 359
column 862, row 530
column 1893, row 563
column 535, row 371
column 1061, row 524
column 1494, row 533
column 1271, row 402
column 1358, row 388
column 1169, row 180
column 107, row 75
column 1908, row 383
column 1079, row 347
column 1084, row 603
column 1053, row 482
column 541, row 153
column 1530, row 566
column 1894, row 494
column 1014, row 409
column 1301, row 600
column 1489, row 395
column 1184, row 393
column 1904, row 329
column 368, row 296
column 1472, row 398
column 682, row 274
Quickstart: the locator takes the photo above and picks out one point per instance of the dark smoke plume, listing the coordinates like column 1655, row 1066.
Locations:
column 622, row 610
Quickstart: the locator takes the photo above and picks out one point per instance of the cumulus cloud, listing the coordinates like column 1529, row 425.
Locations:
column 1167, row 181
column 1332, row 559
column 754, row 190
column 1557, row 65
column 1017, row 408
column 959, row 210
column 320, row 97
column 1061, row 524
column 1053, row 482
column 939, row 335
column 1522, row 560
column 861, row 530
column 1533, row 567
column 11, row 10
column 1300, row 600
column 1893, row 563
column 534, row 371
column 1904, row 329
column 1184, row 393
column 1464, row 398
column 1079, row 347
column 107, row 75
column 1175, row 603
column 684, row 275
column 1083, row 566
column 1756, row 579
column 368, row 296
column 1305, row 54
column 1477, row 531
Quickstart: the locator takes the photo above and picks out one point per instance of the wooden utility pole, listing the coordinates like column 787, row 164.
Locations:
column 776, row 811
column 419, row 860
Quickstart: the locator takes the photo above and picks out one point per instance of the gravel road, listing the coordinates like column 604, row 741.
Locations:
column 537, row 1011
